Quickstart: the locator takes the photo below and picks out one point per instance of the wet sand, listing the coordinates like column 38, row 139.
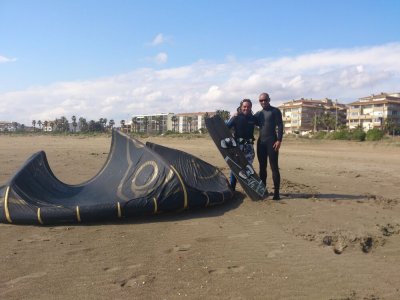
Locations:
column 334, row 234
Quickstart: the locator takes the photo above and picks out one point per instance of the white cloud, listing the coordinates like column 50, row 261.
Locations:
column 159, row 39
column 343, row 74
column 161, row 58
column 4, row 59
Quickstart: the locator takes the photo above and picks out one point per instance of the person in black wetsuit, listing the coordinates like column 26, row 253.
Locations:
column 269, row 120
column 243, row 127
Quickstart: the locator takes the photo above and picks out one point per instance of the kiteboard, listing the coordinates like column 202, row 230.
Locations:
column 234, row 157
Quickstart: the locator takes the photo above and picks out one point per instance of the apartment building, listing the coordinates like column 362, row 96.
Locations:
column 152, row 123
column 162, row 122
column 374, row 111
column 191, row 122
column 300, row 116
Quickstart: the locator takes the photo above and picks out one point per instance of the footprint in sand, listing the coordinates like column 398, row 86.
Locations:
column 258, row 222
column 26, row 277
column 114, row 269
column 181, row 248
column 238, row 236
column 136, row 280
column 273, row 253
column 235, row 269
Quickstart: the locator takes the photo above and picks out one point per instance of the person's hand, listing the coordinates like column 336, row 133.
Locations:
column 276, row 145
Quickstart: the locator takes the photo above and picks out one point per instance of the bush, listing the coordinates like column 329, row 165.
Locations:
column 319, row 135
column 374, row 134
column 340, row 135
column 358, row 135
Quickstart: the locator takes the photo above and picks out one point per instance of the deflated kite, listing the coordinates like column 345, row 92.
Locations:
column 136, row 179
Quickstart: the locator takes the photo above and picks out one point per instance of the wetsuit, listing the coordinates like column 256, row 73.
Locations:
column 269, row 120
column 243, row 132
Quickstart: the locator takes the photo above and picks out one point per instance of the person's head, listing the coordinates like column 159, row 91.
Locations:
column 264, row 100
column 245, row 106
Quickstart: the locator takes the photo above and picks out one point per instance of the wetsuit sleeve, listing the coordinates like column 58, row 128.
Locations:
column 279, row 124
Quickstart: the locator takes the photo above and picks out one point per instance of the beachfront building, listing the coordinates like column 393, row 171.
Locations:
column 8, row 126
column 374, row 111
column 191, row 122
column 152, row 123
column 305, row 115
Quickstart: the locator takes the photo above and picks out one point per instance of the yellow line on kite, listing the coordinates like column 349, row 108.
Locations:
column 119, row 210
column 155, row 205
column 6, row 206
column 183, row 187
column 78, row 215
column 39, row 217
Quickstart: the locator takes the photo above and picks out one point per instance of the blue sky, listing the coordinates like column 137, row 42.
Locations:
column 115, row 59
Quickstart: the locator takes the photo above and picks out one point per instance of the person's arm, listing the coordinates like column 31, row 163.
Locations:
column 231, row 122
column 279, row 124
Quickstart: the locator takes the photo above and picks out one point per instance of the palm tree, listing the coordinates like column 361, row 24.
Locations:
column 111, row 123
column 145, row 123
column 45, row 124
column 189, row 121
column 74, row 124
column 134, row 124
column 34, row 124
column 39, row 124
column 52, row 125
column 326, row 120
column 174, row 120
column 122, row 125
column 83, row 125
column 159, row 120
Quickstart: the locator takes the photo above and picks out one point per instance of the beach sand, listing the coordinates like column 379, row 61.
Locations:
column 334, row 234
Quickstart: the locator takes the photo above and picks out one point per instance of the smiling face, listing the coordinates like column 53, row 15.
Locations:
column 246, row 107
column 264, row 100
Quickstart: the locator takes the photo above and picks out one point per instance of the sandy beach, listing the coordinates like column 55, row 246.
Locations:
column 334, row 235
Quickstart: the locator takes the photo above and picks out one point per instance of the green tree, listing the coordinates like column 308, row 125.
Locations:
column 146, row 124
column 74, row 124
column 111, row 123
column 189, row 121
column 159, row 120
column 224, row 114
column 83, row 124
column 45, row 124
column 34, row 124
column 174, row 120
column 326, row 121
column 134, row 124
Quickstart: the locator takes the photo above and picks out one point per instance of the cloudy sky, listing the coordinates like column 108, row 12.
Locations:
column 115, row 59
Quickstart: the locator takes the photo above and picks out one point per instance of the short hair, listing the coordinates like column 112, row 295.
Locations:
column 266, row 95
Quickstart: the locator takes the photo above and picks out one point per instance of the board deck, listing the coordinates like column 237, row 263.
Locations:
column 234, row 157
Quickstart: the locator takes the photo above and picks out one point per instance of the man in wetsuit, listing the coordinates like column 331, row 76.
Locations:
column 269, row 119
column 243, row 126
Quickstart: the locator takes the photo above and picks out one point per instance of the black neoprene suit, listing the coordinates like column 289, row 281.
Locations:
column 269, row 120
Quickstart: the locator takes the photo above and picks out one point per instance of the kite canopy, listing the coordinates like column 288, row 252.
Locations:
column 136, row 179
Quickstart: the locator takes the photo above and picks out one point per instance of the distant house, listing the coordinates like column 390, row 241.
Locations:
column 301, row 115
column 9, row 126
column 374, row 111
